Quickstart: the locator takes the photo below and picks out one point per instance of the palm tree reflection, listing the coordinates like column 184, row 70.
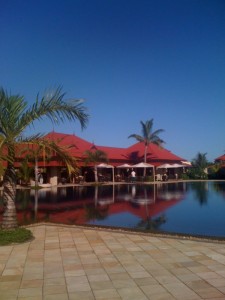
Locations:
column 151, row 224
column 201, row 192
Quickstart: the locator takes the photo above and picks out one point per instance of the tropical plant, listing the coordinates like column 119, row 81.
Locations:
column 95, row 157
column 200, row 165
column 148, row 136
column 24, row 172
column 216, row 171
column 43, row 149
column 16, row 116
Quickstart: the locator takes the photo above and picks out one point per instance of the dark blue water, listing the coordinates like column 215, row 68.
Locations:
column 196, row 208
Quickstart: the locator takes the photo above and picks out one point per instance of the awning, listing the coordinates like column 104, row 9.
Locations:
column 170, row 166
column 165, row 166
column 125, row 166
column 105, row 166
column 142, row 165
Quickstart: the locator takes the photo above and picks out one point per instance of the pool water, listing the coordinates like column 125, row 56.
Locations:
column 195, row 208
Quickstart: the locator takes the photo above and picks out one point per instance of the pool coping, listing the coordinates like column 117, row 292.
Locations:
column 179, row 236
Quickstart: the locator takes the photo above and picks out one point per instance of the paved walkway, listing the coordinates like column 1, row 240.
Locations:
column 65, row 262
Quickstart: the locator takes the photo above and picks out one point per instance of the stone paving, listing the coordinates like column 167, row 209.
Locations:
column 64, row 262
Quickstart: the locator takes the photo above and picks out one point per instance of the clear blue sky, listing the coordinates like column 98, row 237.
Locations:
column 130, row 61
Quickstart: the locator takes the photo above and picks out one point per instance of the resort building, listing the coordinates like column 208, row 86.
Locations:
column 120, row 160
column 221, row 171
column 221, row 159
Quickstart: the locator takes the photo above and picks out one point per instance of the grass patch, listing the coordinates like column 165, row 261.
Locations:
column 18, row 235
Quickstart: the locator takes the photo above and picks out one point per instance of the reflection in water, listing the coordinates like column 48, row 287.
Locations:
column 151, row 225
column 160, row 207
column 219, row 188
column 82, row 205
column 201, row 191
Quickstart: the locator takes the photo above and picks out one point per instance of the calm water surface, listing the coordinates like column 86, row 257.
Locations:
column 196, row 208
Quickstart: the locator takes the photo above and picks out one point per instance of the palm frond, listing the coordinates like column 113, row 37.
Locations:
column 95, row 156
column 137, row 137
column 56, row 109
column 11, row 107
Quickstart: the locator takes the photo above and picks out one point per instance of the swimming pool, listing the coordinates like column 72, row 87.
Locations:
column 194, row 208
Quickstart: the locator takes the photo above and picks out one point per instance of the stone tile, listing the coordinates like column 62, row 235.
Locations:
column 55, row 281
column 30, row 298
column 119, row 276
column 81, row 296
column 54, row 289
column 56, row 297
column 101, row 285
column 9, row 294
column 98, row 277
column 132, row 293
column 54, row 274
column 181, row 291
column 74, row 272
column 153, row 289
column 79, row 287
column 145, row 281
column 12, row 271
column 76, row 279
column 9, row 285
column 139, row 274
column 208, row 275
column 30, row 292
column 209, row 293
column 31, row 283
column 216, row 282
column 65, row 262
column 11, row 278
column 123, row 283
column 106, row 294
column 94, row 271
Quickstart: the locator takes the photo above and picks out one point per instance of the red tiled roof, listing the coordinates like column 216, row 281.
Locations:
column 222, row 157
column 134, row 153
column 154, row 154
column 114, row 153
column 77, row 146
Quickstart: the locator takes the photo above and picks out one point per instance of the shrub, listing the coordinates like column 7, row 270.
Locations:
column 149, row 178
column 18, row 235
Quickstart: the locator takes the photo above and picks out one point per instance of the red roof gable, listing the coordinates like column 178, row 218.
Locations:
column 154, row 154
column 222, row 157
column 79, row 146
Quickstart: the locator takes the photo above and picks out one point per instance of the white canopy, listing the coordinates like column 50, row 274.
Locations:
column 142, row 165
column 106, row 166
column 124, row 166
column 165, row 166
column 178, row 166
column 169, row 166
column 103, row 165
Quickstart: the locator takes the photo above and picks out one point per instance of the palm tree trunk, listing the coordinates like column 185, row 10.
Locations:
column 9, row 220
column 96, row 173
column 36, row 171
column 145, row 159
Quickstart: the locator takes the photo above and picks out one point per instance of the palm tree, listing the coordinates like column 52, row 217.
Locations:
column 24, row 172
column 148, row 136
column 95, row 157
column 16, row 116
column 200, row 164
column 43, row 149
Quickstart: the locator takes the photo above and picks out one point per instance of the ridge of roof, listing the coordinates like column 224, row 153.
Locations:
column 155, row 152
